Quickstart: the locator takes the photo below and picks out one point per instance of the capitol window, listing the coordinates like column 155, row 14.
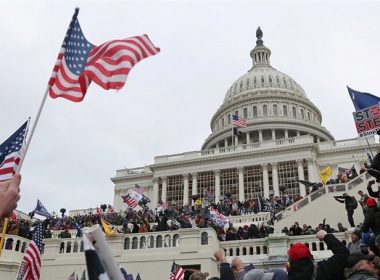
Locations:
column 253, row 182
column 308, row 115
column 302, row 114
column 222, row 122
column 294, row 112
column 265, row 110
column 254, row 111
column 275, row 111
column 229, row 182
column 262, row 80
column 245, row 113
column 285, row 110
column 229, row 119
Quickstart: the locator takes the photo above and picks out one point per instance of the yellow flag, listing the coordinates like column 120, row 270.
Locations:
column 325, row 174
column 108, row 228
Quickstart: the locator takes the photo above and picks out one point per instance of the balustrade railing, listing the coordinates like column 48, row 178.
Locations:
column 321, row 192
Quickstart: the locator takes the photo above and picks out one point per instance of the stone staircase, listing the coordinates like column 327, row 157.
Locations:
column 321, row 204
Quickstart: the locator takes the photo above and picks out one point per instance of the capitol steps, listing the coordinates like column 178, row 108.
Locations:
column 321, row 204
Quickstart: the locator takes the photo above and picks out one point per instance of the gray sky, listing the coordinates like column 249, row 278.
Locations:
column 169, row 99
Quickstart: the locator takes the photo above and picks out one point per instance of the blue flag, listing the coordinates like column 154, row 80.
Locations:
column 362, row 100
column 249, row 268
column 41, row 210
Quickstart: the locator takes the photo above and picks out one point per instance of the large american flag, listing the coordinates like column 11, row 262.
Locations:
column 31, row 263
column 79, row 62
column 177, row 272
column 238, row 121
column 11, row 153
column 131, row 201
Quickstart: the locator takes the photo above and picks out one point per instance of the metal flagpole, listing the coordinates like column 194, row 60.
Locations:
column 233, row 136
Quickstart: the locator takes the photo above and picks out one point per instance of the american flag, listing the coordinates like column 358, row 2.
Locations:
column 11, row 153
column 177, row 272
column 218, row 219
column 31, row 263
column 79, row 62
column 131, row 201
column 238, row 121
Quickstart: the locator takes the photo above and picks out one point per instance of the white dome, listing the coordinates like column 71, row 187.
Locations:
column 263, row 76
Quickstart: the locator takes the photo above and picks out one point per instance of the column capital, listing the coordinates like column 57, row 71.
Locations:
column 310, row 161
column 240, row 168
column 264, row 165
column 299, row 161
column 155, row 180
column 164, row 178
column 274, row 164
column 185, row 176
column 194, row 174
column 216, row 171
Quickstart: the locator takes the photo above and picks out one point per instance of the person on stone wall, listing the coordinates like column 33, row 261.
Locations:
column 350, row 205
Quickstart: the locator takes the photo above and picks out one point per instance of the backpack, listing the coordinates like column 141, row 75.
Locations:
column 353, row 202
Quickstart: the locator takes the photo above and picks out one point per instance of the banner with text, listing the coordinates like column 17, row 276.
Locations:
column 367, row 121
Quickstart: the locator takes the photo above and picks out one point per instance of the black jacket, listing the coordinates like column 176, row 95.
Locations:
column 372, row 220
column 330, row 269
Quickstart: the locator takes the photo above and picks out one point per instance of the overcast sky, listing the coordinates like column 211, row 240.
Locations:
column 169, row 99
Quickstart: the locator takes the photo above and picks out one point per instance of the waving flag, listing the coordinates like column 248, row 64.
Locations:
column 31, row 263
column 177, row 272
column 41, row 210
column 218, row 218
column 131, row 202
column 79, row 62
column 11, row 153
column 95, row 267
column 362, row 100
column 238, row 122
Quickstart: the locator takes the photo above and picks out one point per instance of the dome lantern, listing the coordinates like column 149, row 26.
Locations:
column 260, row 54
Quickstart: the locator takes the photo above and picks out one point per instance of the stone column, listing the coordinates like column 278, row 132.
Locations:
column 241, row 183
column 248, row 137
column 236, row 140
column 275, row 179
column 298, row 133
column 217, row 184
column 164, row 189
column 155, row 193
column 194, row 187
column 310, row 170
column 301, row 176
column 260, row 136
column 225, row 143
column 286, row 134
column 273, row 134
column 185, row 189
column 265, row 180
column 217, row 145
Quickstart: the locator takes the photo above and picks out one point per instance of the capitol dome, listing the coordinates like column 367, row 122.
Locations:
column 274, row 105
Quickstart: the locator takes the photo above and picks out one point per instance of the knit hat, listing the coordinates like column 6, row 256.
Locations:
column 258, row 274
column 371, row 202
column 299, row 251
column 197, row 275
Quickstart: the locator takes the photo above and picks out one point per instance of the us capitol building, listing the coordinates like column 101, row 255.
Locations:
column 284, row 141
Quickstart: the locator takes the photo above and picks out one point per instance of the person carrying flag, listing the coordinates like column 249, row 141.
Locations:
column 9, row 195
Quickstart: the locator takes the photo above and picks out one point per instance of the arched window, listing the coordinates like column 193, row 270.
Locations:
column 275, row 111
column 204, row 238
column 245, row 113
column 223, row 122
column 254, row 81
column 262, row 80
column 308, row 116
column 236, row 113
column 285, row 110
column 126, row 243
column 294, row 112
column 254, row 111
column 229, row 119
column 265, row 110
column 302, row 114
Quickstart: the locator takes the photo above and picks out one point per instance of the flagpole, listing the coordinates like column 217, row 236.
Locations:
column 34, row 126
column 233, row 136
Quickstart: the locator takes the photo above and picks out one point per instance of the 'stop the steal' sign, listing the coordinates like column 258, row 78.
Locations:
column 367, row 121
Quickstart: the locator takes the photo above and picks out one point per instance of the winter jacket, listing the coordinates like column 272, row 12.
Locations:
column 226, row 272
column 354, row 274
column 372, row 221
